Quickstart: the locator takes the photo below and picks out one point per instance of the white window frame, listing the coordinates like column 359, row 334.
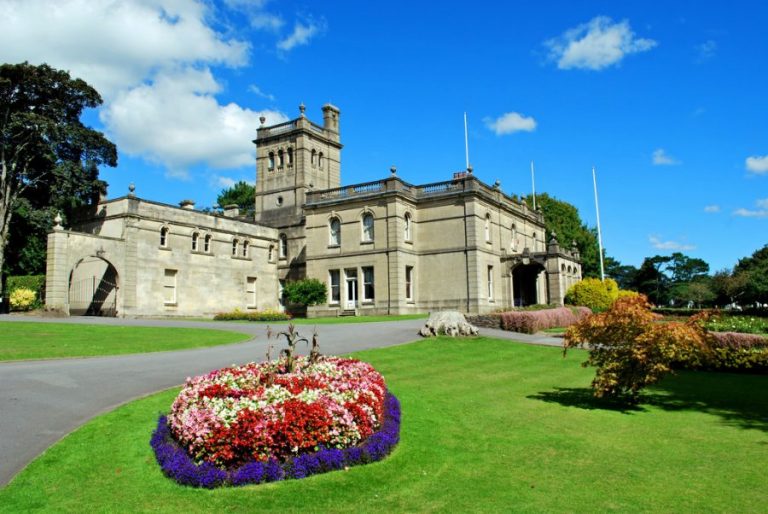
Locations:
column 408, row 227
column 250, row 292
column 195, row 241
column 409, row 283
column 368, row 273
column 337, row 274
column 490, row 283
column 368, row 231
column 283, row 247
column 170, row 283
column 246, row 246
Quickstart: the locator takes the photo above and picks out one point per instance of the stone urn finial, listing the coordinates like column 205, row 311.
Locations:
column 470, row 169
column 131, row 189
column 57, row 222
column 302, row 108
column 263, row 119
column 393, row 170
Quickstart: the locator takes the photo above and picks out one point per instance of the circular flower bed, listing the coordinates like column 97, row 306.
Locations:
column 262, row 422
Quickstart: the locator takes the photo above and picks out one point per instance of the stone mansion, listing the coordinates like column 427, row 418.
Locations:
column 382, row 247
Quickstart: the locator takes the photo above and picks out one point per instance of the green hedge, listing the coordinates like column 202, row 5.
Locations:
column 238, row 315
column 33, row 282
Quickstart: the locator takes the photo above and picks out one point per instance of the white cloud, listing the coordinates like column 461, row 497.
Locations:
column 760, row 212
column 676, row 246
column 177, row 121
column 301, row 34
column 757, row 164
column 225, row 182
column 256, row 90
column 153, row 62
column 706, row 50
column 596, row 44
column 712, row 208
column 661, row 158
column 511, row 122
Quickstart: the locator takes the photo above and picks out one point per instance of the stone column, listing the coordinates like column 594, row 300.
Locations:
column 57, row 270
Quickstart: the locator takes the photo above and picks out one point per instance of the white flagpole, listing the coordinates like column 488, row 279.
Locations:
column 533, row 186
column 599, row 234
column 466, row 140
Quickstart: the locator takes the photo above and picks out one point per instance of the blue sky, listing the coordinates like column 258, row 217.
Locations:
column 666, row 99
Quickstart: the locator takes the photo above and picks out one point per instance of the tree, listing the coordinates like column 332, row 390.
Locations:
column 755, row 269
column 241, row 194
column 562, row 219
column 729, row 287
column 651, row 280
column 623, row 274
column 48, row 158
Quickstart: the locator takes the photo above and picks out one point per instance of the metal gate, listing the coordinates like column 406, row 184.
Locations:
column 93, row 296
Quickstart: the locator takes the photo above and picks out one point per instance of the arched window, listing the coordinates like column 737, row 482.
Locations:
column 207, row 243
column 314, row 157
column 367, row 226
column 488, row 227
column 320, row 160
column 533, row 245
column 407, row 232
column 246, row 244
column 283, row 246
column 195, row 240
column 271, row 164
column 280, row 159
column 290, row 157
column 334, row 232
column 164, row 237
column 235, row 244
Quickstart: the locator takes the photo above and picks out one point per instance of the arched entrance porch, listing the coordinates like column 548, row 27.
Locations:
column 93, row 287
column 526, row 284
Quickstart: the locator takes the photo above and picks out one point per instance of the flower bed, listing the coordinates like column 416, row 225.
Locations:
column 269, row 421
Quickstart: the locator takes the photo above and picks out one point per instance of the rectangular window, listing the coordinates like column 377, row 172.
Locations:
column 250, row 291
column 490, row 282
column 334, row 277
column 169, row 287
column 409, row 283
column 368, row 284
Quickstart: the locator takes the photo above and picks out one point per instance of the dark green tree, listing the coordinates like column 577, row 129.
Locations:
column 241, row 194
column 563, row 219
column 651, row 279
column 48, row 159
column 755, row 279
column 623, row 274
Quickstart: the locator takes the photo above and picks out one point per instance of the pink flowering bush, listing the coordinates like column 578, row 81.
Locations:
column 530, row 322
column 266, row 412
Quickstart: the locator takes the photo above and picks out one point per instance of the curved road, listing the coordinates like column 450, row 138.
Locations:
column 42, row 401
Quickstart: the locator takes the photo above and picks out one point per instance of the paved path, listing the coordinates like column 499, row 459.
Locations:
column 42, row 401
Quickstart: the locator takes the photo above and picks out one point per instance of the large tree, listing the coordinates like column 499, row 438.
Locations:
column 562, row 219
column 753, row 272
column 48, row 158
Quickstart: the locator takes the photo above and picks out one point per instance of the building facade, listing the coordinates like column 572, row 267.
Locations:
column 382, row 247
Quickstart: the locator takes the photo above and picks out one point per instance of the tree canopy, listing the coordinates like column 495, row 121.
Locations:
column 241, row 194
column 49, row 160
column 753, row 273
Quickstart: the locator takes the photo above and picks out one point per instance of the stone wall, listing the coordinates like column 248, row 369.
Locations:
column 485, row 320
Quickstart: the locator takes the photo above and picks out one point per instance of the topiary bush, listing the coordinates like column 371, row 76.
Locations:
column 22, row 299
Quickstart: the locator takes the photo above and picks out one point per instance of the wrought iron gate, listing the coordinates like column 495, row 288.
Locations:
column 93, row 296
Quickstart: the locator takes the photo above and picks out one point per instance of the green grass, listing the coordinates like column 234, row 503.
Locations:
column 555, row 330
column 338, row 320
column 488, row 426
column 24, row 340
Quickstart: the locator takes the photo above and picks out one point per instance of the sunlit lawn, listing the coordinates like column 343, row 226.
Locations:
column 488, row 426
column 22, row 340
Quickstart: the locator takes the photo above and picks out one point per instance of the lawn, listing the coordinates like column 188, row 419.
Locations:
column 488, row 425
column 335, row 320
column 24, row 340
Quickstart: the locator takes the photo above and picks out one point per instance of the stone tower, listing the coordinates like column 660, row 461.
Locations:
column 294, row 157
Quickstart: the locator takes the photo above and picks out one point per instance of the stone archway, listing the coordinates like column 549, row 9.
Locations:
column 525, row 284
column 93, row 288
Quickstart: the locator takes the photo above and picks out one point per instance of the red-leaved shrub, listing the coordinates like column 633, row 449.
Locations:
column 733, row 350
column 530, row 322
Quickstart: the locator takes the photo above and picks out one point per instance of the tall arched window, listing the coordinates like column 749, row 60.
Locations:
column 164, row 237
column 280, row 159
column 290, row 157
column 367, row 226
column 283, row 246
column 314, row 157
column 271, row 164
column 407, row 231
column 334, row 232
column 513, row 241
column 207, row 243
column 195, row 241
column 488, row 227
column 235, row 244
column 246, row 244
column 320, row 160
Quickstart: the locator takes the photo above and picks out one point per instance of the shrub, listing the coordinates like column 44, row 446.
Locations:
column 593, row 293
column 309, row 291
column 238, row 315
column 530, row 322
column 631, row 350
column 735, row 351
column 33, row 282
column 22, row 299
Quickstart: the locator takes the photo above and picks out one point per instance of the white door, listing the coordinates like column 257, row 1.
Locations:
column 351, row 275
